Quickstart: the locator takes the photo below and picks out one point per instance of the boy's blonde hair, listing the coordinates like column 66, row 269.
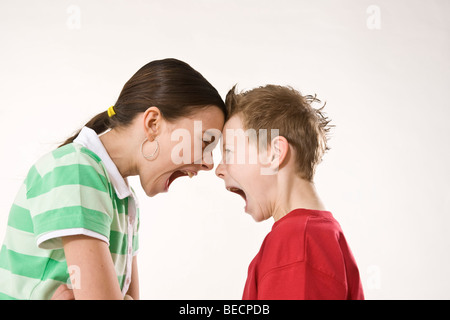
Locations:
column 284, row 108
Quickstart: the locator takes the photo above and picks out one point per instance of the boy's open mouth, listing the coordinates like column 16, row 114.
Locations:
column 238, row 191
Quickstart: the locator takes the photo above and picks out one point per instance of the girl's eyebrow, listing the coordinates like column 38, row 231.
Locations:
column 208, row 134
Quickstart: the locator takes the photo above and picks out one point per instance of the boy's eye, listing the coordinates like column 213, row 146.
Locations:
column 226, row 155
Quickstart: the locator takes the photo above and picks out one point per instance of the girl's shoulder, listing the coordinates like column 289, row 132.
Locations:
column 61, row 161
column 75, row 151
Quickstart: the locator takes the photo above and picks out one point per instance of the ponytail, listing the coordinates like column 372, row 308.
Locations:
column 100, row 123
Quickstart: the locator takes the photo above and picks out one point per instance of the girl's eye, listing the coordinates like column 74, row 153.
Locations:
column 205, row 144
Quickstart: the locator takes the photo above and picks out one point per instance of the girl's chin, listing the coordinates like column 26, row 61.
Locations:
column 156, row 186
column 151, row 191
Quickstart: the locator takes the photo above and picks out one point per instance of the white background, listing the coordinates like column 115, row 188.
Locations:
column 382, row 66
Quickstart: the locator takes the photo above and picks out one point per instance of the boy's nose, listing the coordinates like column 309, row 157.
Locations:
column 219, row 171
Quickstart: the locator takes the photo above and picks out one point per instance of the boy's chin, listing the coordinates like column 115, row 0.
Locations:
column 257, row 216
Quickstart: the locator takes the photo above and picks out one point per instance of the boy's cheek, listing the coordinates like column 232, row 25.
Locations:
column 233, row 170
column 246, row 175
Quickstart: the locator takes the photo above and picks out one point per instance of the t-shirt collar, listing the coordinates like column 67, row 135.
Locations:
column 89, row 139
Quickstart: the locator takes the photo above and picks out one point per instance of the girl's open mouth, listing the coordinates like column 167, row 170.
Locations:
column 177, row 174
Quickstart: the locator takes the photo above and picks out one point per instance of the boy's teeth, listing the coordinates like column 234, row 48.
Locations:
column 190, row 174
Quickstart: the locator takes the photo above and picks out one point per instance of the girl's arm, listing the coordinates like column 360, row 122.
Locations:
column 91, row 268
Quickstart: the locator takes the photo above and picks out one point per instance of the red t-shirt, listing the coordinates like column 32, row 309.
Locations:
column 305, row 256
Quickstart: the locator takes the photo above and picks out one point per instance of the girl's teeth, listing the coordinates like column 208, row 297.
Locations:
column 189, row 173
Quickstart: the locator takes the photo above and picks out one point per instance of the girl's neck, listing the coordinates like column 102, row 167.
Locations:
column 121, row 151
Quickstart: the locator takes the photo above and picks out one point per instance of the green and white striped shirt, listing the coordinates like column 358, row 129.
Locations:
column 75, row 189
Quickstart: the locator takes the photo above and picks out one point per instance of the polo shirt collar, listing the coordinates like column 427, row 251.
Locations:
column 89, row 139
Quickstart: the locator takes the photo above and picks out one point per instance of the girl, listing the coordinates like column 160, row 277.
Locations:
column 75, row 218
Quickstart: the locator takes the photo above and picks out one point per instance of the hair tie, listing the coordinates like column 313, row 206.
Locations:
column 111, row 111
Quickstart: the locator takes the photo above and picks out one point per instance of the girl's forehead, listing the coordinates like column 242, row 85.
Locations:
column 210, row 116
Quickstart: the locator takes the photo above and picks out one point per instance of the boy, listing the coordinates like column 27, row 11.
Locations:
column 305, row 256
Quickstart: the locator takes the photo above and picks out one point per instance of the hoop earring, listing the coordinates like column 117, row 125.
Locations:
column 152, row 156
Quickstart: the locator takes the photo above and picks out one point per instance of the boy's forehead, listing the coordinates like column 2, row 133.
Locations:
column 234, row 132
column 234, row 122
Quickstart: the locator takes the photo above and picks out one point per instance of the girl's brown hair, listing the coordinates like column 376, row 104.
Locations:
column 170, row 84
column 285, row 109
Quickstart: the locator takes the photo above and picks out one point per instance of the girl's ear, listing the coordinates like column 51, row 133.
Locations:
column 152, row 122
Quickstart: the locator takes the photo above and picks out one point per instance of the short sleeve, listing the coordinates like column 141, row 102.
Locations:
column 299, row 281
column 68, row 196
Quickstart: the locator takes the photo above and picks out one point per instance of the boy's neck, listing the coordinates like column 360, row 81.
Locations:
column 295, row 193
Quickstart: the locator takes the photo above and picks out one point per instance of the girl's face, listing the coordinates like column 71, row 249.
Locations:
column 185, row 148
column 244, row 169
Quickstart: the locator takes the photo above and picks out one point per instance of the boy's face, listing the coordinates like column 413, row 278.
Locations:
column 242, row 170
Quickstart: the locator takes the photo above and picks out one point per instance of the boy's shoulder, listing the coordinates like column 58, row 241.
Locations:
column 293, row 236
column 304, row 222
column 313, row 239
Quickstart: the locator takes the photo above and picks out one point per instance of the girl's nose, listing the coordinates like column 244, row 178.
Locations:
column 207, row 166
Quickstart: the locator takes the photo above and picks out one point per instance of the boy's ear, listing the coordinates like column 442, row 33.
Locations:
column 279, row 148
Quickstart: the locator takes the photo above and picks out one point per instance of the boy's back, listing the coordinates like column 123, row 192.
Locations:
column 305, row 256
